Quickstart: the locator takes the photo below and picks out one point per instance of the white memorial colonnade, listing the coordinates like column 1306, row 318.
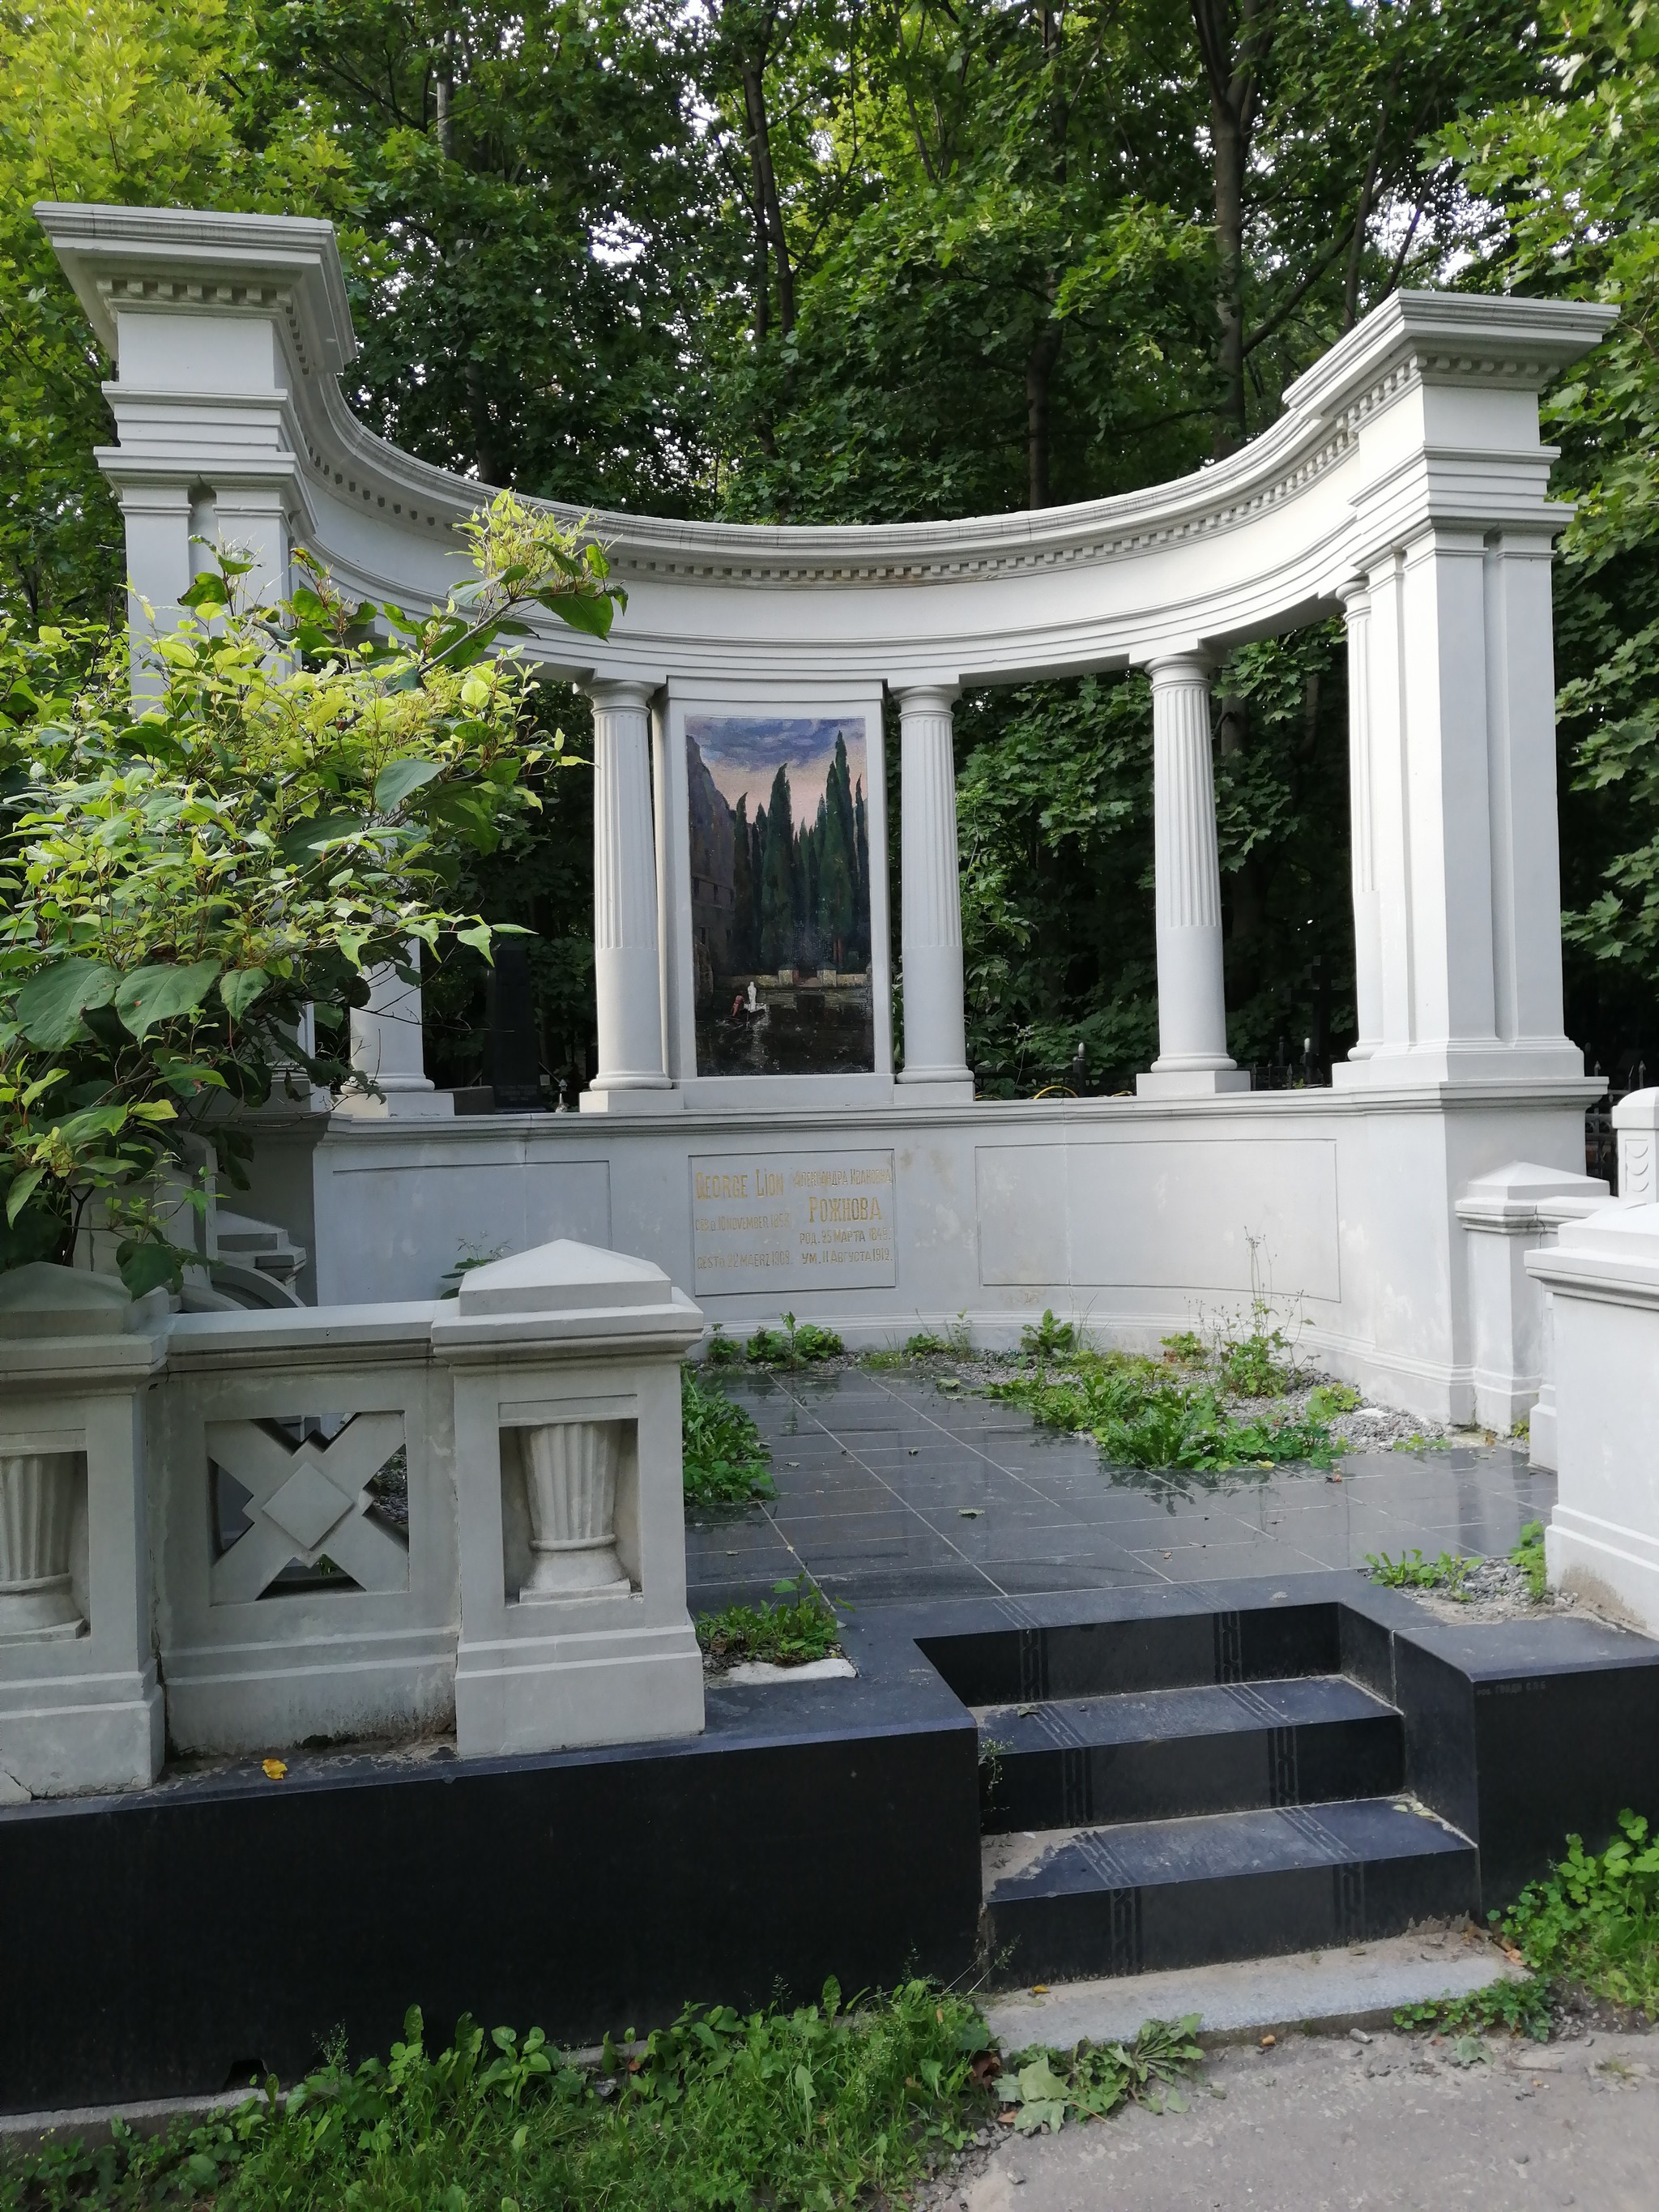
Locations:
column 1404, row 485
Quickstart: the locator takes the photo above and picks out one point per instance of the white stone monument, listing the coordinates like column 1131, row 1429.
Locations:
column 1404, row 485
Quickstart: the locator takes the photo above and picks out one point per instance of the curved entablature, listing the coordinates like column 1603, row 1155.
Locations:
column 1405, row 483
column 1424, row 415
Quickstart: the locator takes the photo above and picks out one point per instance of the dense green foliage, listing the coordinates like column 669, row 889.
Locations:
column 1592, row 1924
column 1140, row 1419
column 796, row 1344
column 725, row 1454
column 799, row 259
column 1596, row 1919
column 800, row 1627
column 809, row 2108
column 192, row 856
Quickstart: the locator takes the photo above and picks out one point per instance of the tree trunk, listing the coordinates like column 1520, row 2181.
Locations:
column 1229, row 139
column 766, row 184
column 1039, row 373
column 486, row 456
column 1232, row 68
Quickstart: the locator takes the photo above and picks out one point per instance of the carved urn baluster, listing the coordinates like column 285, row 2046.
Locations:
column 37, row 1509
column 570, row 1486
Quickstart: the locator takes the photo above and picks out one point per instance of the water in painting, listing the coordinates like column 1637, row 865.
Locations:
column 780, row 853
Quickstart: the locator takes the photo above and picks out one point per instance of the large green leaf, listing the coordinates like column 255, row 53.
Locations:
column 300, row 843
column 51, row 1003
column 593, row 616
column 146, row 1267
column 398, row 780
column 239, row 986
column 152, row 994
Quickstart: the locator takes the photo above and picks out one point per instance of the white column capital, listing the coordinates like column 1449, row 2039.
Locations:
column 620, row 694
column 1172, row 670
column 925, row 698
column 1355, row 593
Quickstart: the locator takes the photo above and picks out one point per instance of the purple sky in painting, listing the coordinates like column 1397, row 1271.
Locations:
column 741, row 753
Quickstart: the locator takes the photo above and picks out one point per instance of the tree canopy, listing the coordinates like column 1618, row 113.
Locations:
column 834, row 260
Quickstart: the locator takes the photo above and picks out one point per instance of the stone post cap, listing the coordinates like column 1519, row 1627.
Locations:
column 1639, row 1111
column 1628, row 1235
column 45, row 1299
column 1511, row 1197
column 563, row 1277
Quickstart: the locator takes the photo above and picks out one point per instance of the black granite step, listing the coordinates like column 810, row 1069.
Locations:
column 1176, row 1649
column 1158, row 1754
column 1147, row 1895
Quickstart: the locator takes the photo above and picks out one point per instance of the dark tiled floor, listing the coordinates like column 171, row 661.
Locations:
column 891, row 1489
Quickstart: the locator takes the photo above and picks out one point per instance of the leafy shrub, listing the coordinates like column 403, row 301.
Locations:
column 1520, row 2006
column 1595, row 1919
column 1138, row 1419
column 1257, row 1366
column 797, row 1344
column 186, row 868
column 1529, row 1556
column 789, row 1635
column 1411, row 1571
column 821, row 2107
column 1047, row 1340
column 725, row 1454
column 1330, row 1399
column 721, row 1351
column 923, row 1345
column 1046, row 2087
column 1186, row 1348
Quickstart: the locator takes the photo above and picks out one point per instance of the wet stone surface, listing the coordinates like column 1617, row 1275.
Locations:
column 893, row 1486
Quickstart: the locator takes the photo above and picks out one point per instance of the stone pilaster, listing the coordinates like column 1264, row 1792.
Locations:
column 1367, row 909
column 627, row 973
column 935, row 1036
column 1192, row 1011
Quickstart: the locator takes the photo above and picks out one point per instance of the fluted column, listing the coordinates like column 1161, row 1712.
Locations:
column 1192, row 1009
column 388, row 1051
column 935, row 1033
column 626, row 980
column 1367, row 906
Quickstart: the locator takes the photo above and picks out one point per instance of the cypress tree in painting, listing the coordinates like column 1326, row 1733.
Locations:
column 836, row 914
column 779, row 894
column 744, row 933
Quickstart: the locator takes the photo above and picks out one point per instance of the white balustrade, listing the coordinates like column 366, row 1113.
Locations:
column 364, row 1522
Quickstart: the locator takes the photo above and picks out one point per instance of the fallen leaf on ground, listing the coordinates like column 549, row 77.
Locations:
column 275, row 1769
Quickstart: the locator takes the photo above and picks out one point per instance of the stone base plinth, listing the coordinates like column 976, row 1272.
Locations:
column 1613, row 1569
column 559, row 1692
column 62, row 1734
column 1191, row 1082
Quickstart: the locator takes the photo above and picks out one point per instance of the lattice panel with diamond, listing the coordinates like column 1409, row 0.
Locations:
column 307, row 1500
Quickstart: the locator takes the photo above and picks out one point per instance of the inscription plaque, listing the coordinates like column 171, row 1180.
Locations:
column 792, row 1221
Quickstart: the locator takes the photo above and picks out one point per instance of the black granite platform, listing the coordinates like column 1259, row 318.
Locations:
column 891, row 1488
column 179, row 1939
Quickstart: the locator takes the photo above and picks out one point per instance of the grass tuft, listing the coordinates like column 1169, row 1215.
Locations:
column 822, row 2106
column 1529, row 1556
column 788, row 1635
column 724, row 1453
column 1140, row 1419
